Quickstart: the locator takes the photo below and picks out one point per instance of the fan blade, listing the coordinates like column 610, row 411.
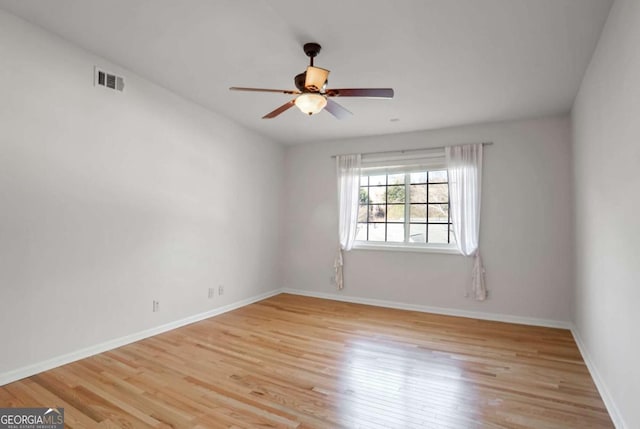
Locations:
column 284, row 107
column 361, row 92
column 281, row 91
column 337, row 110
column 315, row 78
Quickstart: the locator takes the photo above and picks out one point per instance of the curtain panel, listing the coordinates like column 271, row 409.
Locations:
column 464, row 167
column 348, row 177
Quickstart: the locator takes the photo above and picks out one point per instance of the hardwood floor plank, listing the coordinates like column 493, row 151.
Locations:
column 34, row 395
column 297, row 362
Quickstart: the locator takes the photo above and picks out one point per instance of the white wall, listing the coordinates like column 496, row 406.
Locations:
column 525, row 231
column 110, row 200
column 606, row 154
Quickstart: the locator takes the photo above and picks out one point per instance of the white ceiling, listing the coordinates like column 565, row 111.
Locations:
column 450, row 62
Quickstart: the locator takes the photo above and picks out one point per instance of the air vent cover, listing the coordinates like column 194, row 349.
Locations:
column 108, row 80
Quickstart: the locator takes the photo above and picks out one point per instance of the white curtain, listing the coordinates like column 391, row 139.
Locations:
column 348, row 174
column 464, row 166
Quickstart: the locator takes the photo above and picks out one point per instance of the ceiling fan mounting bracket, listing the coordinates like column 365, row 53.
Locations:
column 311, row 49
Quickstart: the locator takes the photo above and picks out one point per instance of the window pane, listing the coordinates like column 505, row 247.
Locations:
column 361, row 232
column 419, row 177
column 438, row 212
column 395, row 233
column 377, row 213
column 438, row 193
column 417, row 233
column 418, row 213
column 364, row 195
column 438, row 233
column 381, row 212
column 377, row 194
column 396, row 179
column 376, row 231
column 395, row 213
column 438, row 176
column 378, row 180
column 395, row 194
column 362, row 214
column 419, row 193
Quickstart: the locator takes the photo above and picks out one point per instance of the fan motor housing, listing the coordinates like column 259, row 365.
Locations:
column 299, row 81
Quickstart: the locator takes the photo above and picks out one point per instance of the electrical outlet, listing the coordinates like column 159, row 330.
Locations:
column 211, row 292
column 156, row 306
column 220, row 290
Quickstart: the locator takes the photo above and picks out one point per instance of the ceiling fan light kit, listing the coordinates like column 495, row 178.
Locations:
column 310, row 103
column 312, row 93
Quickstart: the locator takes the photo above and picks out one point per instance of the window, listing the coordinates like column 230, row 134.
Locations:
column 404, row 208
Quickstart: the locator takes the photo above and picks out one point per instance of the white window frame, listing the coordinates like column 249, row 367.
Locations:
column 397, row 163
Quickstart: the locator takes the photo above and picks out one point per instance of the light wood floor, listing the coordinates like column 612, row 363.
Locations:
column 297, row 362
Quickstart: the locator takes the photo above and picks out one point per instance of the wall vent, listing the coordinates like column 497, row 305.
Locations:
column 108, row 80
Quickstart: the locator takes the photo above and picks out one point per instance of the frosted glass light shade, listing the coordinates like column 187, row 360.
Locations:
column 316, row 78
column 310, row 103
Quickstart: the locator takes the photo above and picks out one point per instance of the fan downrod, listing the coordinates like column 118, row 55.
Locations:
column 311, row 50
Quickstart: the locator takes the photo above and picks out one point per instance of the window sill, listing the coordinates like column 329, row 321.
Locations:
column 406, row 248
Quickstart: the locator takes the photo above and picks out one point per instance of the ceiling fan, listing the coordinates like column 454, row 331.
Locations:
column 312, row 95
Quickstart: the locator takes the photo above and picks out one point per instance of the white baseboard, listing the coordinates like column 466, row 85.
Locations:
column 613, row 410
column 36, row 368
column 435, row 310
